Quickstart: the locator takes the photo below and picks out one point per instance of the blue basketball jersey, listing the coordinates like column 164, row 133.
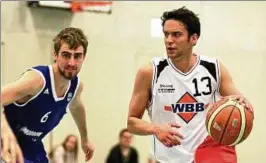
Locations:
column 32, row 120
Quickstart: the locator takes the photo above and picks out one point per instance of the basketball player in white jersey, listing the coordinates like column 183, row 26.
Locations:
column 175, row 89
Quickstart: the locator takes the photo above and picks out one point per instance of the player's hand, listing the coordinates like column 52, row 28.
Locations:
column 168, row 134
column 242, row 100
column 88, row 150
column 10, row 150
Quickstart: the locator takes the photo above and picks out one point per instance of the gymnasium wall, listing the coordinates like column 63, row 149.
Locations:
column 120, row 42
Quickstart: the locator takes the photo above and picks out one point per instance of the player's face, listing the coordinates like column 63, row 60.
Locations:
column 69, row 61
column 177, row 41
column 71, row 143
column 126, row 139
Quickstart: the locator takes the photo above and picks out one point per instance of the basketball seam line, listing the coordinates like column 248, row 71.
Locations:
column 217, row 110
column 214, row 118
column 243, row 125
column 229, row 117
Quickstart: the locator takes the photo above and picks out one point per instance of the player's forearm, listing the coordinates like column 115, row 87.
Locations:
column 231, row 90
column 79, row 115
column 140, row 127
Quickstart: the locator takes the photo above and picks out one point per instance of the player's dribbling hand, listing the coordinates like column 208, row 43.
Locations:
column 11, row 152
column 88, row 150
column 242, row 100
column 168, row 134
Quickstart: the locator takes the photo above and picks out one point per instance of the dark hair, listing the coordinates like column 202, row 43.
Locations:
column 74, row 37
column 187, row 17
column 122, row 132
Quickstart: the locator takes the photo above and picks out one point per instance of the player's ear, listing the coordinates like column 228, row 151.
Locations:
column 194, row 39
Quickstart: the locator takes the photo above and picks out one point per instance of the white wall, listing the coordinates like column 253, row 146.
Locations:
column 121, row 42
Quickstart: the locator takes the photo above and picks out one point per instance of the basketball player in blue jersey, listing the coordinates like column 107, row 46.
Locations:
column 38, row 100
column 174, row 90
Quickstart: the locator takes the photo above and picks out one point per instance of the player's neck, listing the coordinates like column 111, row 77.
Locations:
column 185, row 62
column 59, row 80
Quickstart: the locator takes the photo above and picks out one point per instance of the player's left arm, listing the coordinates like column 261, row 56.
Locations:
column 78, row 113
column 228, row 88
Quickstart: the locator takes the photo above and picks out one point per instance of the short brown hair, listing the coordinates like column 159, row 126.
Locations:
column 74, row 37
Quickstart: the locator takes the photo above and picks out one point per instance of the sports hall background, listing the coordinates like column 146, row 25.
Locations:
column 120, row 42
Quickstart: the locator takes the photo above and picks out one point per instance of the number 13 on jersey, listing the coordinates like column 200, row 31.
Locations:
column 206, row 86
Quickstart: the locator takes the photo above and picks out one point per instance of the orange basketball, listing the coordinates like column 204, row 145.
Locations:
column 229, row 122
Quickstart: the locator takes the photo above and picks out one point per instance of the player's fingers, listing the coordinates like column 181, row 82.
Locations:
column 168, row 143
column 241, row 100
column 176, row 133
column 179, row 135
column 89, row 155
column 250, row 108
column 12, row 151
column 175, row 141
column 244, row 101
column 6, row 157
column 247, row 104
column 233, row 97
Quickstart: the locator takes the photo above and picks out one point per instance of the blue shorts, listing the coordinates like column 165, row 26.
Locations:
column 33, row 152
column 28, row 161
column 25, row 161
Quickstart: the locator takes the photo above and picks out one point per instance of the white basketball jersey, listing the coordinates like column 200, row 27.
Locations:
column 180, row 97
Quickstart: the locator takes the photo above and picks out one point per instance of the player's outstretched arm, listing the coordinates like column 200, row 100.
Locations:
column 29, row 83
column 78, row 113
column 228, row 88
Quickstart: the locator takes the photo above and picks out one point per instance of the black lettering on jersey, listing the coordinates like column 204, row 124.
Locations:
column 160, row 68
column 208, row 86
column 210, row 67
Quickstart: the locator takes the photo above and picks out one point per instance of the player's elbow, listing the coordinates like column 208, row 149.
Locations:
column 130, row 124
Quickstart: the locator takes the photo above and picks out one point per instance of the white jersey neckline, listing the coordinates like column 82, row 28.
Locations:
column 190, row 71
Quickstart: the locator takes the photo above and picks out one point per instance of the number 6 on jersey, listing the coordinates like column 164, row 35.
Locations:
column 45, row 117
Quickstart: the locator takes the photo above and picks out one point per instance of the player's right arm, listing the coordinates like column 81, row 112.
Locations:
column 139, row 102
column 28, row 85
